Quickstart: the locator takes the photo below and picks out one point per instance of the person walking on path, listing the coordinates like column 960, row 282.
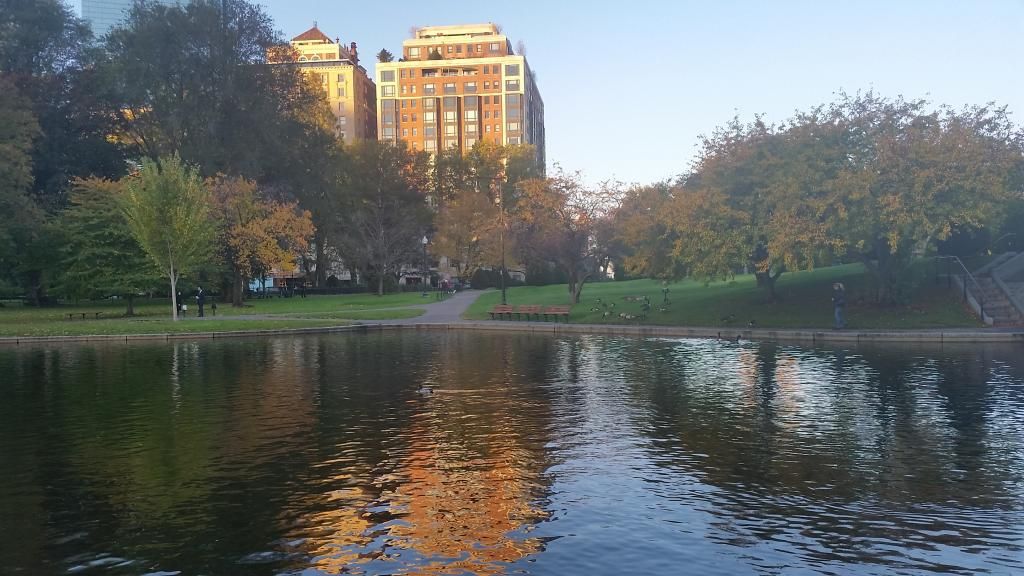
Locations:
column 200, row 300
column 839, row 305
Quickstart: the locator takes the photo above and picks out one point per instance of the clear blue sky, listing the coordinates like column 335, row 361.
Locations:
column 629, row 86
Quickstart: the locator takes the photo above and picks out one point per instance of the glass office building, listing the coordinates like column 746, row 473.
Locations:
column 103, row 15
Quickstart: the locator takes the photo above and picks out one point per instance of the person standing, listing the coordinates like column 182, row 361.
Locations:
column 839, row 305
column 179, row 303
column 200, row 300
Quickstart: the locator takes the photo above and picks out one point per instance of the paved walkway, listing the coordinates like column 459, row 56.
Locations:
column 445, row 312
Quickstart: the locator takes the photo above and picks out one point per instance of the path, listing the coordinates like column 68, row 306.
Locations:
column 445, row 312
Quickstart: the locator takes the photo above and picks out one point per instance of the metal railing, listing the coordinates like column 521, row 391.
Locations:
column 955, row 267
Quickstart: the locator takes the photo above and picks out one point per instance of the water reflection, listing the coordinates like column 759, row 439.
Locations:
column 542, row 455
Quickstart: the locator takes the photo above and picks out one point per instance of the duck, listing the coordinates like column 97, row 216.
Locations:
column 425, row 390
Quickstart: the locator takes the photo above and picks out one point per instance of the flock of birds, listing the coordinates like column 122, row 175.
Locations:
column 607, row 310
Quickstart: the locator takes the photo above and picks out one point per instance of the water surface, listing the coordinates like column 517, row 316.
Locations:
column 533, row 455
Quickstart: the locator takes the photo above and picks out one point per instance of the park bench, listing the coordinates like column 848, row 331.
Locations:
column 529, row 310
column 95, row 315
column 500, row 310
column 556, row 312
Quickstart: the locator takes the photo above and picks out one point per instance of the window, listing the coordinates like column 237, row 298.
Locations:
column 428, row 103
column 513, row 99
column 388, row 117
column 497, row 127
column 512, row 85
column 479, row 48
column 429, row 131
column 513, row 126
column 428, row 145
column 487, row 128
column 487, row 69
column 341, row 91
column 387, row 76
column 387, row 90
column 414, row 52
column 414, row 117
column 451, row 143
column 405, row 117
column 470, row 128
column 512, row 112
column 458, row 49
column 342, row 120
column 495, row 47
column 487, row 114
column 452, row 48
column 513, row 140
column 511, row 69
column 471, row 101
column 471, row 115
column 449, row 88
column 451, row 102
column 449, row 116
column 405, row 132
column 429, row 117
column 412, row 89
column 487, row 99
column 341, row 78
column 412, row 73
column 449, row 130
column 414, row 131
column 412, row 103
column 414, row 146
column 469, row 87
column 428, row 89
column 487, row 85
column 470, row 142
column 403, row 103
column 389, row 131
column 405, row 89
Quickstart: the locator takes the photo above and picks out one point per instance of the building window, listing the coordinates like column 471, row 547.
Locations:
column 449, row 116
column 512, row 85
column 429, row 131
column 412, row 73
column 479, row 48
column 514, row 140
column 471, row 115
column 415, row 146
column 513, row 99
column 428, row 103
column 495, row 47
column 341, row 91
column 415, row 132
column 458, row 49
column 487, row 99
column 451, row 102
column 414, row 117
column 513, row 126
column 405, row 117
column 387, row 91
column 405, row 89
column 429, row 117
column 428, row 89
column 403, row 103
column 404, row 73
column 449, row 130
column 469, row 87
column 512, row 112
column 389, row 131
column 428, row 145
column 487, row 85
column 405, row 132
column 449, row 88
column 342, row 120
column 487, row 128
column 412, row 90
column 511, row 69
column 487, row 69
column 414, row 52
column 487, row 114
column 470, row 128
column 387, row 76
column 497, row 127
column 452, row 49
column 451, row 143
column 412, row 103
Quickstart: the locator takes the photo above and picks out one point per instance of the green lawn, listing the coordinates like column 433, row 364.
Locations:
column 152, row 315
column 804, row 301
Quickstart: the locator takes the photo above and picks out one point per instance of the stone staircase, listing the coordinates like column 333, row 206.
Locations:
column 997, row 305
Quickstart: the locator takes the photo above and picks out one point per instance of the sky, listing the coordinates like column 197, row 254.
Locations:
column 629, row 87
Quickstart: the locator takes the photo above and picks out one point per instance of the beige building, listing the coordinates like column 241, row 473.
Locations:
column 455, row 86
column 349, row 89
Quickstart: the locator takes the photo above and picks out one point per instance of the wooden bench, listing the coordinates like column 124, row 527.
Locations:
column 95, row 315
column 501, row 310
column 557, row 311
column 529, row 310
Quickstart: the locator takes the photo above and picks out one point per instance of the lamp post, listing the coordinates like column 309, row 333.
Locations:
column 425, row 270
column 501, row 236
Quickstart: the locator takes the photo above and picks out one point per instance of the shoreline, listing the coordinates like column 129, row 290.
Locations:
column 804, row 335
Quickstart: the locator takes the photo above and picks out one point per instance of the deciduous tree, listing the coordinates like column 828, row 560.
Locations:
column 167, row 206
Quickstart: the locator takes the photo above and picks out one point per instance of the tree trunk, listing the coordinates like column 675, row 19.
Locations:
column 131, row 305
column 320, row 278
column 237, row 290
column 174, row 295
column 380, row 284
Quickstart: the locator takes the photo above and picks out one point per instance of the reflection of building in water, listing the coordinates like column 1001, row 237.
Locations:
column 458, row 491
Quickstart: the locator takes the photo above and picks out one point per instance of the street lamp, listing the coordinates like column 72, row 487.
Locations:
column 425, row 270
column 501, row 236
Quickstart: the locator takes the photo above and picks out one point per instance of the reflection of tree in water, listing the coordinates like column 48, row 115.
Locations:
column 822, row 450
column 459, row 481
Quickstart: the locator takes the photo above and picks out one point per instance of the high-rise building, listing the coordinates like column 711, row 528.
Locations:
column 455, row 86
column 350, row 91
column 102, row 15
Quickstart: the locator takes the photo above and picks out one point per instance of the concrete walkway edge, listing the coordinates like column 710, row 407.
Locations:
column 765, row 334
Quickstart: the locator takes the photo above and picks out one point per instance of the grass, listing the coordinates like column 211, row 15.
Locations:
column 804, row 301
column 152, row 315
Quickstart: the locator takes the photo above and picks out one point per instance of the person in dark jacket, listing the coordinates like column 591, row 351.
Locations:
column 200, row 300
column 839, row 305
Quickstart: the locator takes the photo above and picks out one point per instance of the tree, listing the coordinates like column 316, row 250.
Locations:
column 637, row 233
column 18, row 130
column 256, row 234
column 386, row 210
column 167, row 207
column 557, row 219
column 99, row 255
column 467, row 232
column 385, row 56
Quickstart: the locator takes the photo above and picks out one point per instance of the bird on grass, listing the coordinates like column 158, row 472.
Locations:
column 752, row 324
column 728, row 319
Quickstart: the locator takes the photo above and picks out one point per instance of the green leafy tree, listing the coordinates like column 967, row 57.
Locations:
column 18, row 130
column 99, row 254
column 385, row 56
column 167, row 207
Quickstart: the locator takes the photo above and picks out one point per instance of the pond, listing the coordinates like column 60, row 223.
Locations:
column 469, row 453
